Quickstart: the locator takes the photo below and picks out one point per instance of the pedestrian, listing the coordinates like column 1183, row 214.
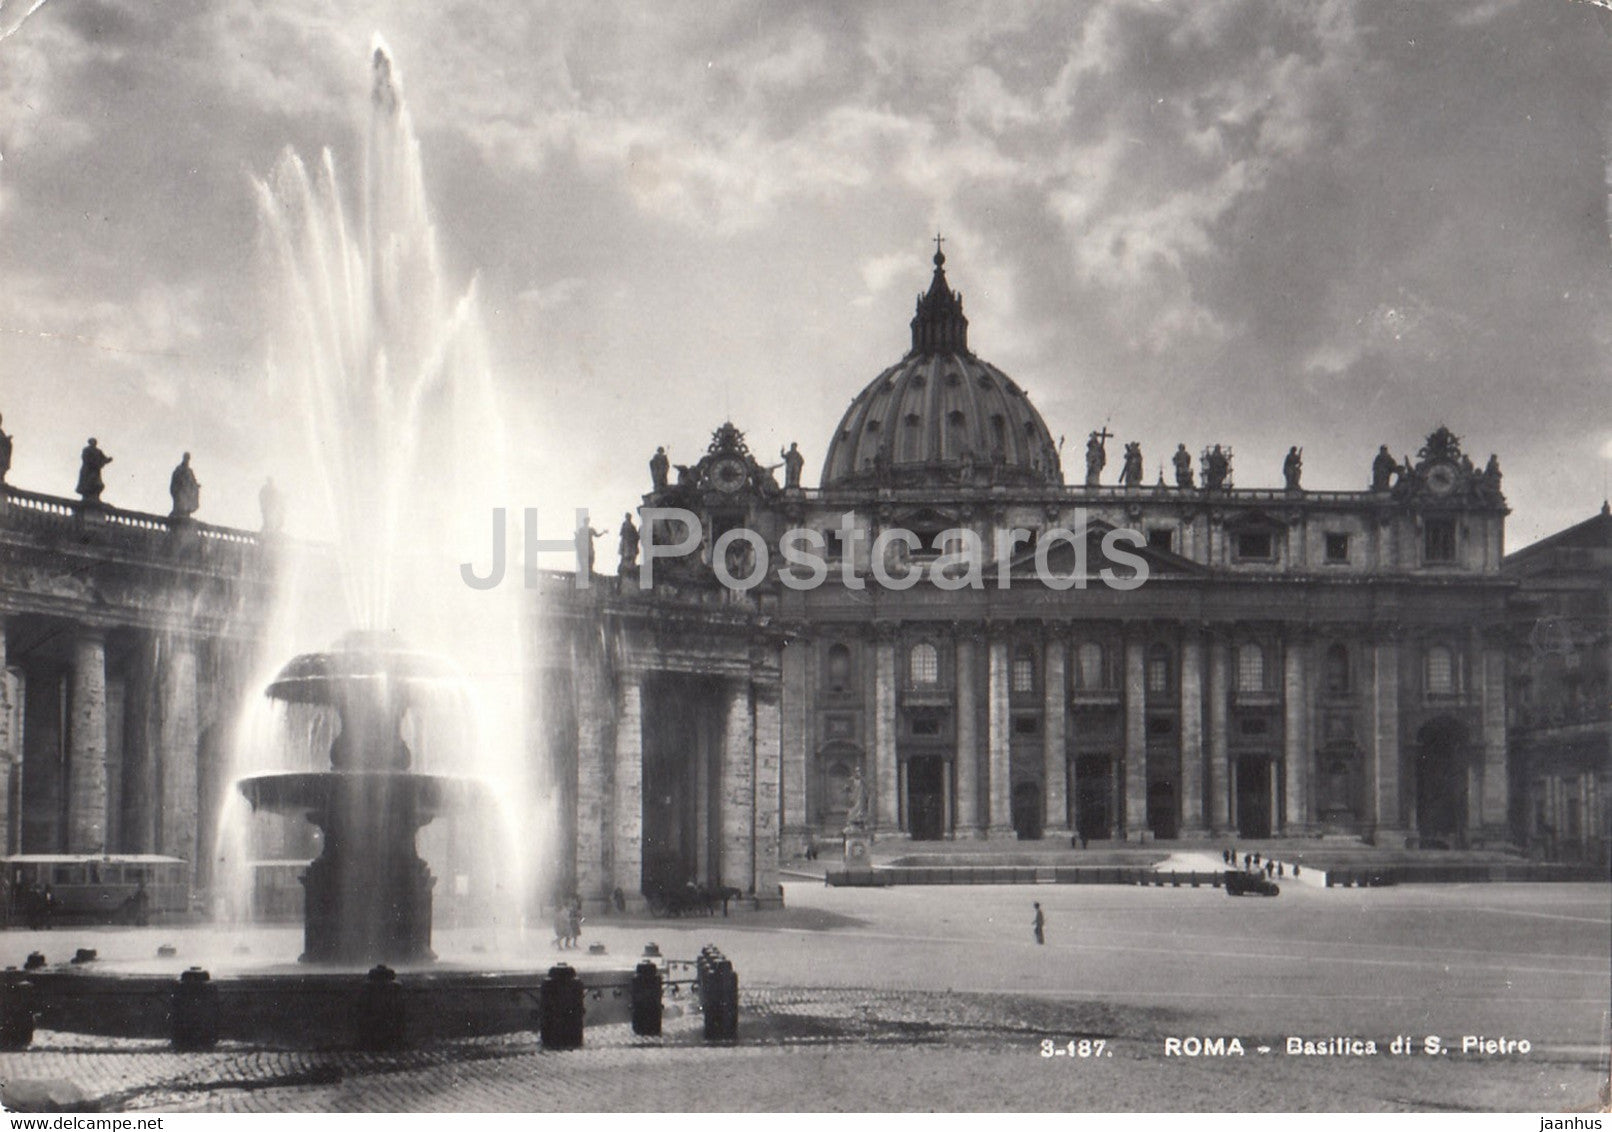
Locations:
column 1040, row 924
column 1256, row 860
column 1295, row 868
column 1279, row 868
column 1248, row 861
column 574, row 921
column 1270, row 868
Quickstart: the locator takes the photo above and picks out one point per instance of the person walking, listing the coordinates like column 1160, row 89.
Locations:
column 1040, row 924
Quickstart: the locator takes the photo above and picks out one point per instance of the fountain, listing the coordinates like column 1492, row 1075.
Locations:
column 368, row 895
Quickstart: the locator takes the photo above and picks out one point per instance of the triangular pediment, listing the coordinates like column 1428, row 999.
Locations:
column 1062, row 559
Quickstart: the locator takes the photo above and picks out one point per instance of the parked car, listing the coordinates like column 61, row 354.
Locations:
column 1239, row 883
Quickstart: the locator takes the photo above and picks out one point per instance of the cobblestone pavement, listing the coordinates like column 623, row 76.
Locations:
column 837, row 1050
column 939, row 999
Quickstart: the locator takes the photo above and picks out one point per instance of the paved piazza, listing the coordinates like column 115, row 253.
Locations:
column 939, row 998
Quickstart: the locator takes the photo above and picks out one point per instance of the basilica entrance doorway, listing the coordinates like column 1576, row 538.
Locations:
column 1253, row 796
column 926, row 797
column 1441, row 772
column 1094, row 797
column 1027, row 811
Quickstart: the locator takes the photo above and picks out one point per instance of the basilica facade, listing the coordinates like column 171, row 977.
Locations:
column 1297, row 661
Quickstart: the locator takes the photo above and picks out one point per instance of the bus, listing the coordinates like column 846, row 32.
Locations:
column 127, row 888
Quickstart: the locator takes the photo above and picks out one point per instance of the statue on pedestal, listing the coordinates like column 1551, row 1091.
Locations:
column 185, row 489
column 584, row 543
column 1293, row 468
column 1183, row 466
column 856, row 803
column 1130, row 473
column 793, row 463
column 660, row 466
column 627, row 546
column 1383, row 469
column 1216, row 468
column 1096, row 456
column 91, row 461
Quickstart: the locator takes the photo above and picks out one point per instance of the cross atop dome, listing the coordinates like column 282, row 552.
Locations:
column 938, row 325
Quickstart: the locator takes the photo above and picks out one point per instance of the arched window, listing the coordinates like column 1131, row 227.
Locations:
column 1158, row 669
column 1023, row 671
column 1336, row 671
column 1090, row 674
column 839, row 668
column 1250, row 668
column 1440, row 671
column 923, row 663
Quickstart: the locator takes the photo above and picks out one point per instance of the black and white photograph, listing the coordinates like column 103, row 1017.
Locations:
column 1029, row 556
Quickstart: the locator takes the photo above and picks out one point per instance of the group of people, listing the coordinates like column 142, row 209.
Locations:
column 34, row 905
column 1252, row 863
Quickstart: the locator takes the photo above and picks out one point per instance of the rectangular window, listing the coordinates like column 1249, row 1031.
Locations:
column 1026, row 725
column 1158, row 676
column 1337, row 547
column 1024, row 675
column 1438, row 540
column 1254, row 546
column 1250, row 668
column 1161, row 538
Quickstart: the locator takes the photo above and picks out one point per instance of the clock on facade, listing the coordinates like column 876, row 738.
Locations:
column 729, row 474
column 1441, row 479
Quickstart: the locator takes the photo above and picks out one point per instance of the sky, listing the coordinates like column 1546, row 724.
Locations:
column 1334, row 224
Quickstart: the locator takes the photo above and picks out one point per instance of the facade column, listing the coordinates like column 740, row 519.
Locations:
column 794, row 833
column 1496, row 788
column 886, row 800
column 1384, row 755
column 998, row 737
column 768, row 746
column 1219, row 742
column 176, row 836
column 738, row 800
column 1192, row 823
column 86, row 746
column 1135, row 737
column 970, row 821
column 1295, row 731
column 1054, row 745
column 627, row 860
column 595, row 742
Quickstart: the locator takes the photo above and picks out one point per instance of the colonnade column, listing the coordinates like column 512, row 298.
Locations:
column 1054, row 747
column 86, row 745
column 1135, row 736
column 765, row 807
column 998, row 738
column 1219, row 746
column 1295, row 731
column 738, row 790
column 176, row 834
column 627, row 832
column 970, row 822
column 792, row 750
column 594, row 706
column 885, row 787
column 1192, row 733
column 1384, row 767
column 10, row 741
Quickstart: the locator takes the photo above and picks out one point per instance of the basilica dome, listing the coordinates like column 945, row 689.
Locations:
column 941, row 415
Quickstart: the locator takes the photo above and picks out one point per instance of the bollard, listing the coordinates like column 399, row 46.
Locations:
column 195, row 1011
column 16, row 1011
column 561, row 1008
column 721, row 1003
column 379, row 1015
column 646, row 1002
